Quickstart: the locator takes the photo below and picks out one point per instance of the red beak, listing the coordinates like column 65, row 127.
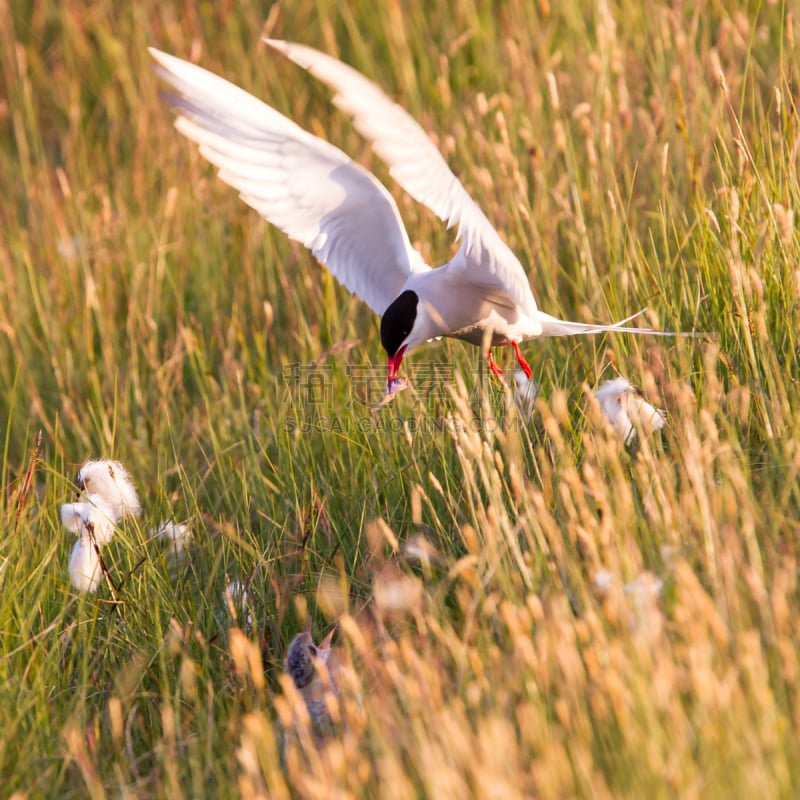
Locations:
column 393, row 367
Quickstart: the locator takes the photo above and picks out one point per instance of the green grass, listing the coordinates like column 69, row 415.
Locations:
column 633, row 155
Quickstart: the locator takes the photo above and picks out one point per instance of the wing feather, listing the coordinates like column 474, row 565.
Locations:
column 416, row 164
column 303, row 185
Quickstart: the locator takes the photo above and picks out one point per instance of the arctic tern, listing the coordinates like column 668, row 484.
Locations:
column 318, row 196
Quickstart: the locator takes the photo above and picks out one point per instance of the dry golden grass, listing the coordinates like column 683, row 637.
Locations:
column 524, row 608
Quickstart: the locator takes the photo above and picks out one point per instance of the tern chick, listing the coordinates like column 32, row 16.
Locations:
column 305, row 662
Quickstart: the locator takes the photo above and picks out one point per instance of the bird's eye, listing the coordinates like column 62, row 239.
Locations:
column 312, row 649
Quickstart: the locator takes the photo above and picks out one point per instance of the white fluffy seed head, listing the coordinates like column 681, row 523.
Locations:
column 526, row 393
column 605, row 581
column 236, row 599
column 626, row 409
column 91, row 516
column 178, row 534
column 645, row 586
column 110, row 481
column 84, row 566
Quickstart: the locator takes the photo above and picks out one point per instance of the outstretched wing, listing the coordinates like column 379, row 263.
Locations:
column 416, row 164
column 303, row 185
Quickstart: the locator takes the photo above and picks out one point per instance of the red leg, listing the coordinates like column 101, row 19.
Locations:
column 496, row 371
column 521, row 361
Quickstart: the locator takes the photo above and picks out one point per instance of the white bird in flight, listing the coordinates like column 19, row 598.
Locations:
column 320, row 197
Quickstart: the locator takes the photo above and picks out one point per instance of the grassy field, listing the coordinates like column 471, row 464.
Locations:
column 633, row 155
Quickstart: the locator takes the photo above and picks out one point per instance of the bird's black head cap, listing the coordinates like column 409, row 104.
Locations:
column 398, row 320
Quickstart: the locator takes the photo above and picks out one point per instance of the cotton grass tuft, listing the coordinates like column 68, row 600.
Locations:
column 110, row 481
column 177, row 534
column 85, row 571
column 90, row 516
column 627, row 410
column 107, row 495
